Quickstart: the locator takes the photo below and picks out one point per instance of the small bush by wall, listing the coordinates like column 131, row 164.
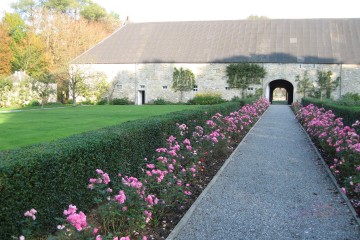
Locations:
column 349, row 99
column 347, row 113
column 34, row 103
column 160, row 101
column 121, row 101
column 102, row 102
column 50, row 176
column 206, row 99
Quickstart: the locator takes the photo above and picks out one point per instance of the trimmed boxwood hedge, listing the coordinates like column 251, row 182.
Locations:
column 348, row 114
column 49, row 177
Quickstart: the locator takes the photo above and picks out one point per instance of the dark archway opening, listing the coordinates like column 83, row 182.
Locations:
column 285, row 85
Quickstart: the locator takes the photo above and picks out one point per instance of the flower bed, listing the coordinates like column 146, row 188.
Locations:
column 339, row 145
column 132, row 207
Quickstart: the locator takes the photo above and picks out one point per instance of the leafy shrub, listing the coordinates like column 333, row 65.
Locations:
column 87, row 102
column 121, row 101
column 347, row 113
column 161, row 101
column 236, row 99
column 258, row 92
column 206, row 99
column 49, row 176
column 102, row 102
column 70, row 101
column 34, row 103
column 349, row 99
column 243, row 101
column 54, row 104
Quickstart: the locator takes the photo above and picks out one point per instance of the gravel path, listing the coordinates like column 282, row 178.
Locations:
column 272, row 187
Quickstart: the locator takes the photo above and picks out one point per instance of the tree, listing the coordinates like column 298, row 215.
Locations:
column 25, row 93
column 93, row 12
column 77, row 85
column 63, row 6
column 65, row 38
column 30, row 56
column 6, row 54
column 183, row 81
column 304, row 84
column 16, row 27
column 25, row 8
column 56, row 31
column 96, row 86
column 241, row 75
column 43, row 86
column 102, row 87
column 5, row 90
column 326, row 84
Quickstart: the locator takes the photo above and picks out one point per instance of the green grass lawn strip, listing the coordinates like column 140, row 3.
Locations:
column 20, row 129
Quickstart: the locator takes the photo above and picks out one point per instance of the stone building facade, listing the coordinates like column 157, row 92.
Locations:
column 144, row 83
column 139, row 59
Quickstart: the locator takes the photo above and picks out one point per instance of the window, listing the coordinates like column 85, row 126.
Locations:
column 164, row 87
column 250, row 88
column 142, row 86
column 118, row 86
column 227, row 88
column 195, row 88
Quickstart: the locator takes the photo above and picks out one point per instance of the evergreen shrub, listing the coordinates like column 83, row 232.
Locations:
column 50, row 176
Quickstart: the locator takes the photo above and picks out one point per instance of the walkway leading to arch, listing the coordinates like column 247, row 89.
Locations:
column 272, row 187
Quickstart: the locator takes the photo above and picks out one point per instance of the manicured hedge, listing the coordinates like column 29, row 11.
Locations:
column 348, row 114
column 49, row 177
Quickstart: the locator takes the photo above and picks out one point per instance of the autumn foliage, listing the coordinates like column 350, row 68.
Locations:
column 41, row 37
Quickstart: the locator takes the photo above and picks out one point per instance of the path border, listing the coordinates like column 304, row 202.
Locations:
column 190, row 211
column 330, row 175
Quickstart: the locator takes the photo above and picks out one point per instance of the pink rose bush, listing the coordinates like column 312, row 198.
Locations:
column 125, row 205
column 77, row 220
column 340, row 143
column 31, row 213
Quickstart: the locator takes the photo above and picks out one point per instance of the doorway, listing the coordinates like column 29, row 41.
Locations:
column 281, row 90
column 141, row 97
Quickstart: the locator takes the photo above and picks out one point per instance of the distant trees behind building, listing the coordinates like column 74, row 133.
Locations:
column 42, row 36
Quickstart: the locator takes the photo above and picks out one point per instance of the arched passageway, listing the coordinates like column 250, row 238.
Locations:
column 282, row 84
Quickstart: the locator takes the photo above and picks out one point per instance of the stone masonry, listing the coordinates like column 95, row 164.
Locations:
column 154, row 80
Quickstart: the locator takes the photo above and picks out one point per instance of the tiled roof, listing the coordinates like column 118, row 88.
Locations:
column 262, row 41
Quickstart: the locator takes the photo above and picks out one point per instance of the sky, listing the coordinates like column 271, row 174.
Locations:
column 197, row 10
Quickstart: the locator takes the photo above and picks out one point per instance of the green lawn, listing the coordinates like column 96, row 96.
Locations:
column 35, row 126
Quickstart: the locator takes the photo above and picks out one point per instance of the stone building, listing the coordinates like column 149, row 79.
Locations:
column 139, row 58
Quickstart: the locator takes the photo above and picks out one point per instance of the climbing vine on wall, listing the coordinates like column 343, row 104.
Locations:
column 183, row 81
column 241, row 75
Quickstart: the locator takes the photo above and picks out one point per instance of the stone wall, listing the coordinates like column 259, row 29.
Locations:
column 350, row 79
column 288, row 71
column 155, row 80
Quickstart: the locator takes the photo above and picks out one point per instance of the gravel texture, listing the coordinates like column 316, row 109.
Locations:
column 272, row 187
